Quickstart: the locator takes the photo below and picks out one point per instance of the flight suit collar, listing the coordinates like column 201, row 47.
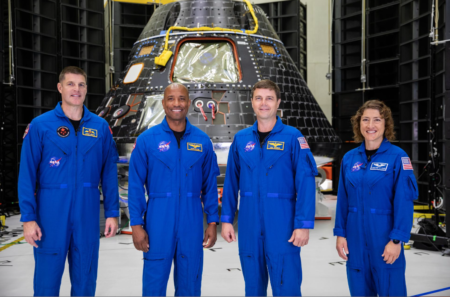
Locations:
column 385, row 145
column 277, row 128
column 60, row 113
column 166, row 127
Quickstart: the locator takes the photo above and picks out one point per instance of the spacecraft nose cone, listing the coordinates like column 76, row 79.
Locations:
column 218, row 67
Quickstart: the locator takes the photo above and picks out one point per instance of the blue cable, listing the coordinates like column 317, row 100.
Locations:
column 432, row 292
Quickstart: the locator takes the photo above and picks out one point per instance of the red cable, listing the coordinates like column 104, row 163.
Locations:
column 213, row 112
column 203, row 112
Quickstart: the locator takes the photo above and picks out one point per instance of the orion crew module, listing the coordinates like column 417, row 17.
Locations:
column 218, row 49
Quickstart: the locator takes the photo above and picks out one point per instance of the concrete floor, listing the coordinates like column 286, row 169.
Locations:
column 120, row 268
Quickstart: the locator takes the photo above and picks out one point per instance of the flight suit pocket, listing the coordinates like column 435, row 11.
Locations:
column 192, row 160
column 90, row 259
column 390, row 282
column 285, row 273
column 248, row 162
column 353, row 238
column 154, row 266
column 83, row 263
column 49, row 267
column 382, row 223
column 89, row 145
column 356, row 281
column 248, row 265
column 378, row 178
column 412, row 185
column 59, row 145
column 312, row 164
column 195, row 268
column 189, row 270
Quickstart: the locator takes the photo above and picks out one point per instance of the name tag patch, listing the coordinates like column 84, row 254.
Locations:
column 275, row 145
column 197, row 147
column 379, row 166
column 90, row 132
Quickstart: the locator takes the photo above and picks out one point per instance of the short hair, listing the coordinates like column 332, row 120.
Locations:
column 176, row 85
column 72, row 70
column 385, row 113
column 267, row 84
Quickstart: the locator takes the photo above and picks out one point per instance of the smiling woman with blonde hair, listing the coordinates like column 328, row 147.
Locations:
column 374, row 211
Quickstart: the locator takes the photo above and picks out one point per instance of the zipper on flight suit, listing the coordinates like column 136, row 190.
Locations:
column 367, row 167
column 179, row 185
column 76, row 162
column 263, row 229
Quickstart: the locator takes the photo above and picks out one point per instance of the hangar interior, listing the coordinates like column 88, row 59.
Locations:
column 346, row 51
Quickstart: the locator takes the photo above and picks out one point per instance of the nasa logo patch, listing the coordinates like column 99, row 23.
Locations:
column 379, row 166
column 54, row 162
column 26, row 131
column 250, row 146
column 357, row 166
column 164, row 146
column 63, row 131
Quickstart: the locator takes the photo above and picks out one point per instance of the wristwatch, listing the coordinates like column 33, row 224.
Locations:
column 396, row 241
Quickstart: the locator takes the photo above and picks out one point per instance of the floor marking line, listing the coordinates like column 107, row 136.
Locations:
column 11, row 244
column 432, row 292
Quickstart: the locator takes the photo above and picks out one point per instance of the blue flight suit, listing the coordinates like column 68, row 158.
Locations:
column 375, row 205
column 277, row 195
column 67, row 166
column 177, row 180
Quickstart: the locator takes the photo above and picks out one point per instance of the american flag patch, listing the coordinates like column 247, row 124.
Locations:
column 26, row 131
column 303, row 143
column 407, row 163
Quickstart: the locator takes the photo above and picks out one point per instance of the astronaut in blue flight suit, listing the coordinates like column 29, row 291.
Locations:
column 374, row 211
column 178, row 166
column 273, row 168
column 67, row 152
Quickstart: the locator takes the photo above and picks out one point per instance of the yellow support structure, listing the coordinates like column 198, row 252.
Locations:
column 423, row 207
column 426, row 215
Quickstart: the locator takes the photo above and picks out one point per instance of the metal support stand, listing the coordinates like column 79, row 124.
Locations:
column 322, row 211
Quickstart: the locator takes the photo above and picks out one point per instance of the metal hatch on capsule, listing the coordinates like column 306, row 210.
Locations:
column 218, row 49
